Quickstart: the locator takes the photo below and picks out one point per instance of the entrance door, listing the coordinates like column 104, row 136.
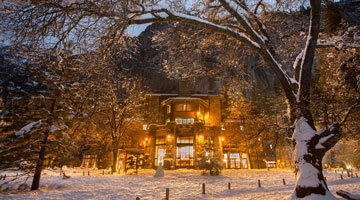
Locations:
column 234, row 160
column 184, row 156
column 244, row 161
column 160, row 157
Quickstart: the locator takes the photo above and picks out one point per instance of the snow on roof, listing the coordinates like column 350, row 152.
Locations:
column 206, row 95
column 232, row 120
column 185, row 99
column 188, row 98
column 162, row 94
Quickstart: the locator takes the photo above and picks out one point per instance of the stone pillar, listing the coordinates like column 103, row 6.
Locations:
column 215, row 110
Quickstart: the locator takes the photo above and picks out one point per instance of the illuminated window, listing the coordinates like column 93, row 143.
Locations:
column 168, row 109
column 234, row 155
column 144, row 127
column 183, row 107
column 184, row 121
column 184, row 140
column 160, row 140
column 185, row 156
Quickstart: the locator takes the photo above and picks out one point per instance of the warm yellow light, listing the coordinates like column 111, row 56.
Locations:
column 259, row 139
column 222, row 139
column 201, row 136
column 348, row 166
column 169, row 136
column 146, row 139
column 144, row 142
column 198, row 113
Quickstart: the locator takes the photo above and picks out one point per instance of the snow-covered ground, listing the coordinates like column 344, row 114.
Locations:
column 183, row 184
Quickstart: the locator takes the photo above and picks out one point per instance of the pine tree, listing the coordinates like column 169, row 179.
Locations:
column 35, row 107
column 211, row 161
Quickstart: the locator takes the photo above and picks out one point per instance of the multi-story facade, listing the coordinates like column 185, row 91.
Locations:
column 178, row 126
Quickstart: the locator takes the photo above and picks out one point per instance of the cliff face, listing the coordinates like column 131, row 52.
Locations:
column 287, row 30
column 148, row 62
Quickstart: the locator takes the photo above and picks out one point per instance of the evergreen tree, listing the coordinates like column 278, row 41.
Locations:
column 211, row 161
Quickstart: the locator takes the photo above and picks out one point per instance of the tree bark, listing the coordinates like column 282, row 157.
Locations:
column 115, row 155
column 39, row 164
column 310, row 148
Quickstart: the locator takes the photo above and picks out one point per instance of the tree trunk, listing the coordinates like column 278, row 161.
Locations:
column 39, row 164
column 115, row 156
column 249, row 158
column 310, row 148
column 137, row 162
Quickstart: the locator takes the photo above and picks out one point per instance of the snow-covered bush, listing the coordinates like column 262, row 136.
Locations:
column 211, row 161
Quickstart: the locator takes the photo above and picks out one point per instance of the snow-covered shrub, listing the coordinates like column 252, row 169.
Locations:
column 211, row 161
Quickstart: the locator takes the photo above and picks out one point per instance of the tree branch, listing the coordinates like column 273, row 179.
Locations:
column 168, row 16
column 349, row 111
column 264, row 51
column 307, row 62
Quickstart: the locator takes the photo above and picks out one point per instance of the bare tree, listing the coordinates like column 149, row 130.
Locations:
column 36, row 21
column 119, row 99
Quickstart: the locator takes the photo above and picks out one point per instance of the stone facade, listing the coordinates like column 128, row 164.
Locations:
column 182, row 126
column 179, row 126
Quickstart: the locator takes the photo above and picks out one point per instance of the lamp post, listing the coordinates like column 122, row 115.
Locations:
column 137, row 154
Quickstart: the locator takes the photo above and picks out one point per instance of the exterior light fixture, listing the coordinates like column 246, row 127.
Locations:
column 201, row 136
column 144, row 142
column 146, row 139
column 144, row 127
column 169, row 136
column 222, row 139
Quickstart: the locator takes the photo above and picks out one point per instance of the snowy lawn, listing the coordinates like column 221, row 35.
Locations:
column 183, row 184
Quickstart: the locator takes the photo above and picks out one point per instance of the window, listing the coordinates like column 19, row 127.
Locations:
column 222, row 127
column 184, row 121
column 159, row 155
column 144, row 127
column 168, row 109
column 234, row 155
column 160, row 140
column 183, row 107
column 184, row 140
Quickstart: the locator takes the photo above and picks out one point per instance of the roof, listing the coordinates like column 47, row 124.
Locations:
column 193, row 95
column 185, row 99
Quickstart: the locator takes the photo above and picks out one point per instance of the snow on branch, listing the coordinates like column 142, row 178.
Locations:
column 164, row 15
column 28, row 128
column 347, row 195
column 339, row 46
column 297, row 65
column 240, row 14
column 249, row 36
column 328, row 137
column 349, row 111
column 322, row 141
